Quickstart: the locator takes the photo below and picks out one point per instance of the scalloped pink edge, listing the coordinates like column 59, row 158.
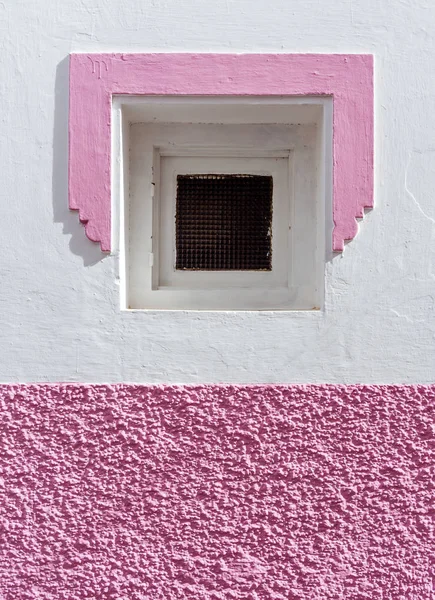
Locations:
column 94, row 78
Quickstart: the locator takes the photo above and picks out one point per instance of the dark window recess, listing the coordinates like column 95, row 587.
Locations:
column 224, row 222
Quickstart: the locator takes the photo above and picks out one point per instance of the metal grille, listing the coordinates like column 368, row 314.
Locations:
column 224, row 222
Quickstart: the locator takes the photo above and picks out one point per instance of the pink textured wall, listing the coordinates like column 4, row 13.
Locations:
column 215, row 492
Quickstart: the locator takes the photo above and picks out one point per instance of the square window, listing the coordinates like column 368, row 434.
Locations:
column 234, row 219
column 224, row 222
column 224, row 202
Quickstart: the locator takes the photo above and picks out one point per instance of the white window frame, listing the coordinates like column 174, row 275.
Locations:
column 144, row 286
column 277, row 165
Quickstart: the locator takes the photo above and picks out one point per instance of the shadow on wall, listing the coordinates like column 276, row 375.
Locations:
column 79, row 244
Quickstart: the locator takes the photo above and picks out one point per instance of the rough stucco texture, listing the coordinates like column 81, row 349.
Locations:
column 131, row 492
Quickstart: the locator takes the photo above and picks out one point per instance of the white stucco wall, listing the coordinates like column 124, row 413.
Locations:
column 59, row 295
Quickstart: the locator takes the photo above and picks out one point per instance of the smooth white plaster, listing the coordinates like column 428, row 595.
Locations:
column 59, row 296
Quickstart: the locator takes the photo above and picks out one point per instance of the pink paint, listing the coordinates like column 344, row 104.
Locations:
column 215, row 492
column 95, row 78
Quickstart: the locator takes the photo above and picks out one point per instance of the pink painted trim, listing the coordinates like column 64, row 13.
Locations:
column 95, row 78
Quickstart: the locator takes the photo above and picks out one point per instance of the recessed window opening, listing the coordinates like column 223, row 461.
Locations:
column 224, row 222
column 223, row 202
